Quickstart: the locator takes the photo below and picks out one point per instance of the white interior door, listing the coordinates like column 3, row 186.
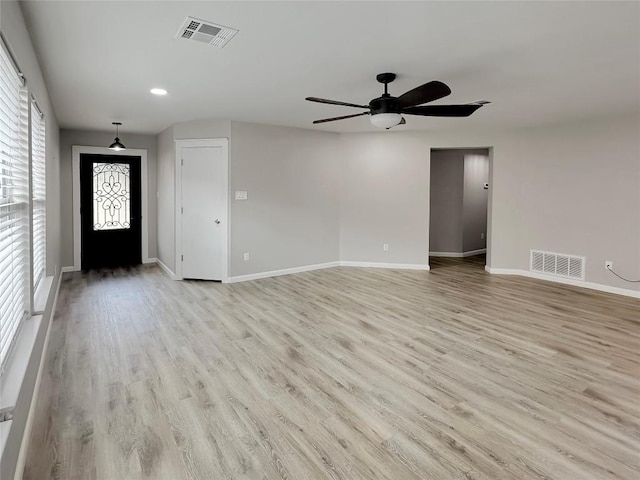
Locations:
column 204, row 212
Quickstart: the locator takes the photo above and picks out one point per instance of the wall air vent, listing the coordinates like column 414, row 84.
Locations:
column 557, row 264
column 206, row 32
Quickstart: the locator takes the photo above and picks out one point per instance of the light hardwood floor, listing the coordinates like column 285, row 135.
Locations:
column 342, row 373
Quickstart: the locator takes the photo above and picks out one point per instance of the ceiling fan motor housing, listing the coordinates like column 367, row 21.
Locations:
column 384, row 104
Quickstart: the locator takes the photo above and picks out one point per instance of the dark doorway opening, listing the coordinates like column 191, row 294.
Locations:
column 459, row 202
column 110, row 210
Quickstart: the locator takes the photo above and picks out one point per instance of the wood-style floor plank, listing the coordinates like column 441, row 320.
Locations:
column 342, row 373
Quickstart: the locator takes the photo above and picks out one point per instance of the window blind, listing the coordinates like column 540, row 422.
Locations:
column 38, row 194
column 14, row 204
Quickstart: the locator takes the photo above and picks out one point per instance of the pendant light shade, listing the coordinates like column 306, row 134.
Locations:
column 117, row 144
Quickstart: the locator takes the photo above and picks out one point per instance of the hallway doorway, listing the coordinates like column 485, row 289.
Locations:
column 459, row 204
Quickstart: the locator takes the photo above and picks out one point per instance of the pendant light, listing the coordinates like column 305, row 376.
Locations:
column 117, row 144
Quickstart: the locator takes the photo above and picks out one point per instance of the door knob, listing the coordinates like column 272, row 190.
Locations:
column 217, row 221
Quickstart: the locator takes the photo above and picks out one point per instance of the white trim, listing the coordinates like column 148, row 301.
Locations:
column 319, row 266
column 201, row 142
column 24, row 446
column 5, row 46
column 5, row 429
column 504, row 271
column 18, row 361
column 150, row 260
column 76, row 150
column 470, row 253
column 69, row 268
column 398, row 266
column 166, row 269
column 42, row 295
column 566, row 281
column 285, row 271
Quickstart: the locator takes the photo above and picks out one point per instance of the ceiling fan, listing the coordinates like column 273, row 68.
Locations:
column 386, row 111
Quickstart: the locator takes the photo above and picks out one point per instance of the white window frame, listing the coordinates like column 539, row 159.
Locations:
column 15, row 295
column 38, row 199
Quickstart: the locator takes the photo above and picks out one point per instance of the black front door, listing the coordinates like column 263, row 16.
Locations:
column 110, row 209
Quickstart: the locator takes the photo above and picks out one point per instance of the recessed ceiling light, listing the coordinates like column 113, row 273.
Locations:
column 158, row 91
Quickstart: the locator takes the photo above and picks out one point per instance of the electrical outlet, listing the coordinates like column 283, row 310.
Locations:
column 482, row 236
column 246, row 256
column 385, row 247
column 608, row 265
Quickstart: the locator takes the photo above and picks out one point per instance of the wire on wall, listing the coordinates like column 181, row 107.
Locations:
column 622, row 278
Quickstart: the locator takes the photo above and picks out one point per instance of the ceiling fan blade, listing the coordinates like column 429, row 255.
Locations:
column 424, row 93
column 335, row 102
column 443, row 110
column 340, row 118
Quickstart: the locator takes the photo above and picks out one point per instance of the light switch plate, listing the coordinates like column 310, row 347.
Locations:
column 241, row 195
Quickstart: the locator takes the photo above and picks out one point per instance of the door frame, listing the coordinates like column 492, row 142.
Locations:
column 489, row 232
column 202, row 142
column 76, row 151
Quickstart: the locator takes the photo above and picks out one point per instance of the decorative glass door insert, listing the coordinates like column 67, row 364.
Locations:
column 111, row 196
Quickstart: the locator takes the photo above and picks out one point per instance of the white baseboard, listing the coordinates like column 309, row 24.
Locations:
column 24, row 446
column 69, row 268
column 150, row 260
column 566, row 281
column 470, row 253
column 285, row 271
column 165, row 268
column 399, row 266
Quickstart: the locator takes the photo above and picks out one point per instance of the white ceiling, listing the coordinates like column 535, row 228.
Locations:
column 538, row 62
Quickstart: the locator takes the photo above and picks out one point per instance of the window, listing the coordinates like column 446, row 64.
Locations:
column 111, row 196
column 14, row 204
column 38, row 190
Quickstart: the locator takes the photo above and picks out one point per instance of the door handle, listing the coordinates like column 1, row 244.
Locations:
column 217, row 221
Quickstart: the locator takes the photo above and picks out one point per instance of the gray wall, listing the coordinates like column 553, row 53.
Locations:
column 385, row 198
column 547, row 191
column 580, row 193
column 291, row 217
column 475, row 200
column 199, row 129
column 69, row 138
column 166, row 198
column 166, row 178
column 14, row 31
column 446, row 203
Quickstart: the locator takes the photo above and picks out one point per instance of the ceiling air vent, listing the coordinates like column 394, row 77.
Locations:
column 206, row 32
column 557, row 264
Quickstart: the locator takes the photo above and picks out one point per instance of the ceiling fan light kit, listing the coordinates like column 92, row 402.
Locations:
column 386, row 111
column 385, row 120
